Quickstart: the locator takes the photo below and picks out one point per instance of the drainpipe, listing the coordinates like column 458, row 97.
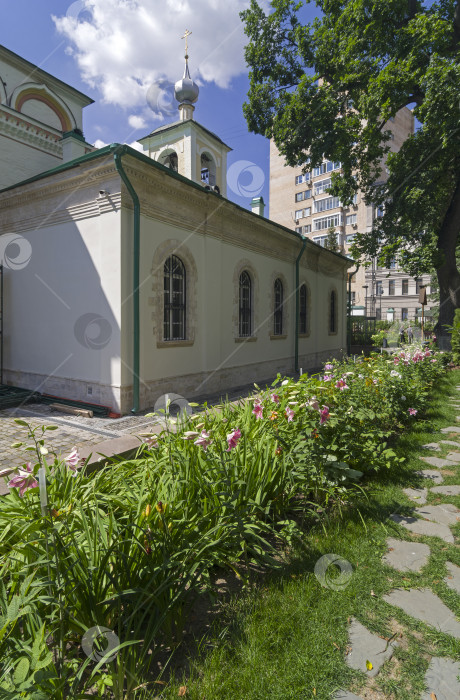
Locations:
column 297, row 304
column 136, row 254
column 350, row 275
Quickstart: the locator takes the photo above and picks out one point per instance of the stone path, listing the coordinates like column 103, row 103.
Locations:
column 452, row 579
column 427, row 607
column 431, row 475
column 416, row 495
column 367, row 647
column 406, row 556
column 441, row 676
column 432, row 520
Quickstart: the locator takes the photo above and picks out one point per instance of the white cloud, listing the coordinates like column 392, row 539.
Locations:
column 134, row 144
column 123, row 47
column 137, row 122
column 137, row 146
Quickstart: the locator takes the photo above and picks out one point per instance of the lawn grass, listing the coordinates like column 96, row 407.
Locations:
column 286, row 636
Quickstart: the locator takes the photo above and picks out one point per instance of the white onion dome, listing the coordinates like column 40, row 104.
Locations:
column 186, row 90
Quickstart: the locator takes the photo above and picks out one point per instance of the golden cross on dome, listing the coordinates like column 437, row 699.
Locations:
column 186, row 35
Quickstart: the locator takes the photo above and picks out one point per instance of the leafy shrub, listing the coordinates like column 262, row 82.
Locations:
column 455, row 337
column 127, row 547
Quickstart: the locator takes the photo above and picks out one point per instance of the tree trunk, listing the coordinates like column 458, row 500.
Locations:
column 448, row 274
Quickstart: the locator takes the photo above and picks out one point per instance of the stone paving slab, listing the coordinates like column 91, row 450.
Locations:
column 451, row 429
column 406, row 556
column 451, row 490
column 416, row 495
column 441, row 679
column 432, row 446
column 437, row 462
column 453, row 457
column 366, row 646
column 449, row 442
column 424, row 527
column 424, row 605
column 346, row 695
column 445, row 514
column 430, row 474
column 453, row 577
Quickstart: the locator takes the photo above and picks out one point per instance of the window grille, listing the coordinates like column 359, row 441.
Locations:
column 278, row 310
column 174, row 299
column 245, row 305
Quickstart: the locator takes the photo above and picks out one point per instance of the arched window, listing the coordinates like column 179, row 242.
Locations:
column 169, row 159
column 174, row 299
column 208, row 170
column 303, row 310
column 278, row 310
column 333, row 313
column 245, row 305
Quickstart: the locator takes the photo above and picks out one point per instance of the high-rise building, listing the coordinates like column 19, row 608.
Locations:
column 300, row 200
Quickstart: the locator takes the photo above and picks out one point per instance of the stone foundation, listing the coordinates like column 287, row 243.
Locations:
column 119, row 399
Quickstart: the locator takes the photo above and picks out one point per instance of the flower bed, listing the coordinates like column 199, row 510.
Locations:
column 123, row 549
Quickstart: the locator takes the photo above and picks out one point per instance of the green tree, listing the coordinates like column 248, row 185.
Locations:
column 331, row 240
column 338, row 80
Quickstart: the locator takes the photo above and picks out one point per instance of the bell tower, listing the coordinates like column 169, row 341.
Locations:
column 186, row 146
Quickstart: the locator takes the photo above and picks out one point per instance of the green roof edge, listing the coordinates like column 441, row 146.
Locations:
column 114, row 147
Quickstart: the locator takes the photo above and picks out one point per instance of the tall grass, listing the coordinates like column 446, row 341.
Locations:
column 128, row 547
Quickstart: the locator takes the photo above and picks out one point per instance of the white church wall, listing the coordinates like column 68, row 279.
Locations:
column 62, row 314
column 69, row 308
column 19, row 161
column 213, row 357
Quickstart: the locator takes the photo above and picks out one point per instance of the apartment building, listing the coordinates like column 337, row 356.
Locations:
column 301, row 201
column 392, row 295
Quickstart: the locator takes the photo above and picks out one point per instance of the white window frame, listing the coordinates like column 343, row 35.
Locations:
column 320, row 188
column 328, row 202
column 327, row 221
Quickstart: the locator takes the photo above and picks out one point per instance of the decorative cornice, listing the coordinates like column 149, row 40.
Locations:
column 15, row 126
column 162, row 197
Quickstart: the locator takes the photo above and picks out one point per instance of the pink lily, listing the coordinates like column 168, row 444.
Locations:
column 7, row 472
column 324, row 413
column 258, row 410
column 289, row 414
column 275, row 398
column 203, row 441
column 328, row 366
column 412, row 411
column 72, row 459
column 232, row 439
column 151, row 441
column 190, row 435
column 314, row 403
column 24, row 480
column 341, row 384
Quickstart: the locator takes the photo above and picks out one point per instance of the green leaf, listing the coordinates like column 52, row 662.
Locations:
column 21, row 671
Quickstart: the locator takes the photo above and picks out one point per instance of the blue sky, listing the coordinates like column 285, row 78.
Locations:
column 115, row 50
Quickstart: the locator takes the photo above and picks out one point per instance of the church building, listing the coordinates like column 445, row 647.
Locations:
column 128, row 275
